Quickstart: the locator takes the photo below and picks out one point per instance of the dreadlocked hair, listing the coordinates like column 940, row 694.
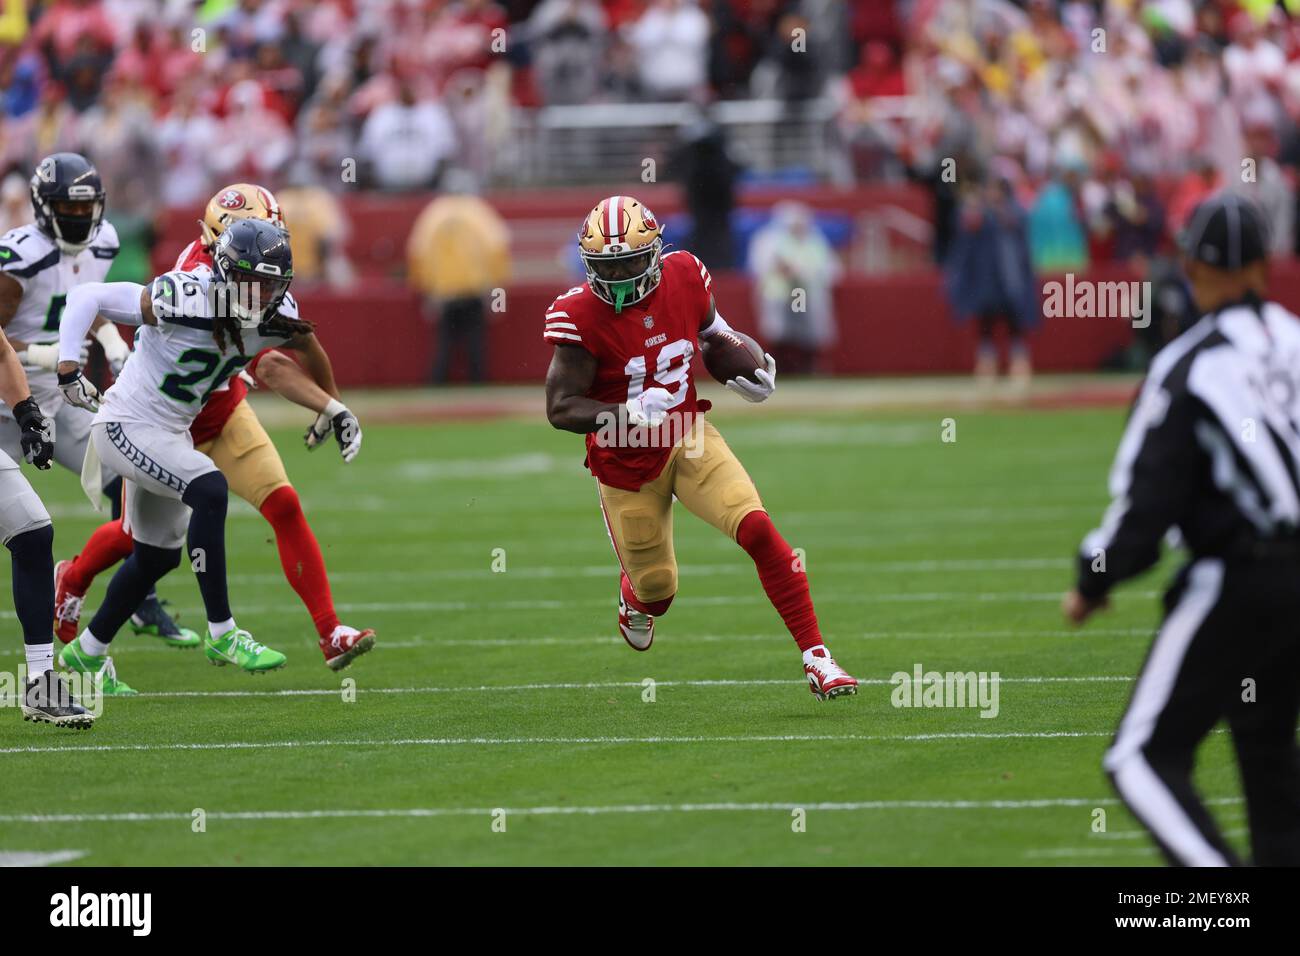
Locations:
column 281, row 326
column 278, row 326
column 223, row 324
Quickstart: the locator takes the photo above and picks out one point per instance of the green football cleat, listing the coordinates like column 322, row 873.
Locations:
column 238, row 647
column 152, row 618
column 99, row 669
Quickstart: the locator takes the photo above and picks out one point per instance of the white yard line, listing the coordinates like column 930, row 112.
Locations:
column 824, row 598
column 542, row 811
column 130, row 644
column 740, row 568
column 39, row 858
column 6, row 700
column 1081, row 852
column 1069, row 852
column 561, row 741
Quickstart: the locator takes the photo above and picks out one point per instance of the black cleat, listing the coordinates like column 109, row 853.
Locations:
column 152, row 618
column 47, row 700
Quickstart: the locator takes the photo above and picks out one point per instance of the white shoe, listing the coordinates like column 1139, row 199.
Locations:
column 637, row 627
column 826, row 679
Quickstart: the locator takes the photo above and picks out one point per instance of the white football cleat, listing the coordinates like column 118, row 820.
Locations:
column 826, row 679
column 637, row 627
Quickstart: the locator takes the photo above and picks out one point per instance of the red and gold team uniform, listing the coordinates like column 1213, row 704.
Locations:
column 640, row 314
column 649, row 344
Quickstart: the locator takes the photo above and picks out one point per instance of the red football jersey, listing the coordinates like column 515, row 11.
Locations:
column 649, row 344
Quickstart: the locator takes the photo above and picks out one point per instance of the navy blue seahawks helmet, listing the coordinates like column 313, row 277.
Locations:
column 253, row 262
column 68, row 199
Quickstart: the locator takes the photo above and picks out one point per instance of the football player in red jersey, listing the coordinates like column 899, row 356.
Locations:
column 227, row 430
column 621, row 375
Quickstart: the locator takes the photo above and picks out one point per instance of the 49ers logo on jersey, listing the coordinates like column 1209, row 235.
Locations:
column 232, row 199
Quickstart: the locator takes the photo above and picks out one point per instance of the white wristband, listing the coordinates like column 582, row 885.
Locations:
column 110, row 338
column 719, row 324
column 43, row 356
column 333, row 408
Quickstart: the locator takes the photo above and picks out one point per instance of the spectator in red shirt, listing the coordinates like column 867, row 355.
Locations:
column 879, row 73
column 63, row 26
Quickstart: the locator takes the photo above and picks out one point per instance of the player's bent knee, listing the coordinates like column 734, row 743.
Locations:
column 270, row 364
column 155, row 561
column 736, row 513
column 279, row 504
column 656, row 584
column 266, row 494
column 32, row 542
column 208, row 492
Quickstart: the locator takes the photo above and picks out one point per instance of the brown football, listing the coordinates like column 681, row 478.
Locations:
column 731, row 354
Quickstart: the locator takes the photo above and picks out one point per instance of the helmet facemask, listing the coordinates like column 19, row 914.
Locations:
column 73, row 222
column 625, row 278
column 249, row 296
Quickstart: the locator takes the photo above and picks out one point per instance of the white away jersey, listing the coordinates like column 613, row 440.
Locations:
column 47, row 274
column 176, row 364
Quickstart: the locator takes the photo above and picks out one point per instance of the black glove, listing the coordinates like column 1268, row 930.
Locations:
column 37, row 433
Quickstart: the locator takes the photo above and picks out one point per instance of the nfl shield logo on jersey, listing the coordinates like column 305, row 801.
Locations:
column 649, row 321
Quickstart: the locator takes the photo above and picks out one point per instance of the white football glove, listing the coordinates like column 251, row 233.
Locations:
column 46, row 357
column 78, row 390
column 765, row 386
column 340, row 421
column 115, row 348
column 649, row 407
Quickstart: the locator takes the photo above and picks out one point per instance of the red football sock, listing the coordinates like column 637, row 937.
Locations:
column 108, row 545
column 300, row 557
column 786, row 587
column 653, row 608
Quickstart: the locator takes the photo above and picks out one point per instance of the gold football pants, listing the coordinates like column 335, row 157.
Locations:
column 247, row 457
column 712, row 484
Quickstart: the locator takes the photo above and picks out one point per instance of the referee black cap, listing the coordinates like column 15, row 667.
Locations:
column 1227, row 232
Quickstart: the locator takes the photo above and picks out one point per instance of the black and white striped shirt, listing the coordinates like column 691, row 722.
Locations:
column 1212, row 447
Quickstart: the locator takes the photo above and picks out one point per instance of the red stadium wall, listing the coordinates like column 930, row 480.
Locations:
column 898, row 323
column 888, row 325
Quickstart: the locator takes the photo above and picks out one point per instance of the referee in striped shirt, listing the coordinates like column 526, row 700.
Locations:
column 1211, row 452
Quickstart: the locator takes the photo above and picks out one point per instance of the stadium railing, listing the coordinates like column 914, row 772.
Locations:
column 611, row 142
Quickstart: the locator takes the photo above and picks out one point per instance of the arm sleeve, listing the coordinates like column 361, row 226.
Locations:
column 115, row 301
column 1152, row 488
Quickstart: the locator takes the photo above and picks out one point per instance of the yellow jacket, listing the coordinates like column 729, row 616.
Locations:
column 458, row 247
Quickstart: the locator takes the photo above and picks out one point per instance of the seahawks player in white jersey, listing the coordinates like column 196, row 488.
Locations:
column 26, row 531
column 197, row 330
column 69, row 244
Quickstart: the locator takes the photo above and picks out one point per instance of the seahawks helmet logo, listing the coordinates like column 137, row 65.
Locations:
column 46, row 172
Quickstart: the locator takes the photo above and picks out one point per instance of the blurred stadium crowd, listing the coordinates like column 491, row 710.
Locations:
column 1107, row 121
column 1108, row 118
column 1057, row 134
column 289, row 89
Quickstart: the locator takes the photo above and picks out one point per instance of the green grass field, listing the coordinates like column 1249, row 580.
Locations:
column 512, row 690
